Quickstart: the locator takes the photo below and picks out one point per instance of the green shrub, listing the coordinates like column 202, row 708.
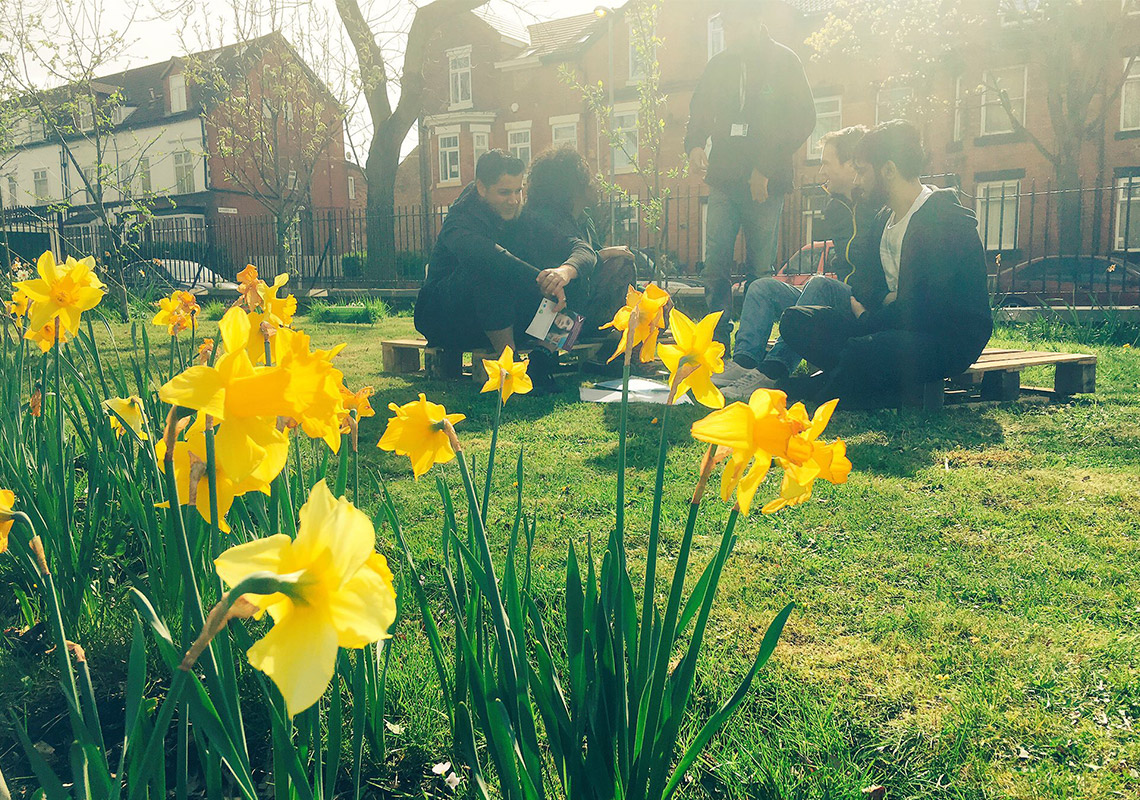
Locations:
column 213, row 310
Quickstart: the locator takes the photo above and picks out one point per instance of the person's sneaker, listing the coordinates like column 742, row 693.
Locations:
column 742, row 388
column 732, row 373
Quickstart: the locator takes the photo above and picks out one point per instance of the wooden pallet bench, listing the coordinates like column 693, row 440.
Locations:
column 403, row 357
column 996, row 375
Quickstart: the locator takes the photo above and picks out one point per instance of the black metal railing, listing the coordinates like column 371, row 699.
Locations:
column 1076, row 246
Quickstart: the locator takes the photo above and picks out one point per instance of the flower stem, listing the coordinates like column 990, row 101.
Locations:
column 491, row 456
column 65, row 501
column 644, row 645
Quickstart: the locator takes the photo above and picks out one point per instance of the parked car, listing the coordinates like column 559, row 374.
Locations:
column 809, row 260
column 1068, row 280
column 175, row 273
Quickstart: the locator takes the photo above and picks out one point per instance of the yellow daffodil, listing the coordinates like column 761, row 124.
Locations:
column 646, row 311
column 246, row 398
column 355, row 401
column 694, row 358
column 756, row 433
column 249, row 287
column 417, row 432
column 313, row 392
column 343, row 597
column 178, row 313
column 129, row 410
column 7, row 501
column 278, row 311
column 205, row 350
column 63, row 292
column 18, row 305
column 506, row 375
column 808, row 459
column 193, row 482
column 44, row 337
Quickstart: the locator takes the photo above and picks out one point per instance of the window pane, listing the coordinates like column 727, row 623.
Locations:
column 828, row 118
column 997, row 206
column 625, row 129
column 1130, row 99
column 1128, row 214
column 1011, row 80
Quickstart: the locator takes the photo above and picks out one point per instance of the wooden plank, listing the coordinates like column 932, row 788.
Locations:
column 443, row 364
column 418, row 343
column 399, row 360
column 1035, row 360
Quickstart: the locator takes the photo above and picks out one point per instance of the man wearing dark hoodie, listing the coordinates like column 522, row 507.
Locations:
column 935, row 320
column 754, row 102
column 477, row 292
column 853, row 226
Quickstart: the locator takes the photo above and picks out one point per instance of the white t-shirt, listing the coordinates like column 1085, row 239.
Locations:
column 890, row 247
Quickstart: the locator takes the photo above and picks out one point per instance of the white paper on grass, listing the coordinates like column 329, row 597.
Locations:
column 640, row 391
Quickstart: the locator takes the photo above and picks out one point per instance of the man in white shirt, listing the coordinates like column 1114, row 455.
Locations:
column 937, row 319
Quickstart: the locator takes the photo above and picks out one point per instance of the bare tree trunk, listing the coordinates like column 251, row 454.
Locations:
column 1068, row 206
column 380, row 172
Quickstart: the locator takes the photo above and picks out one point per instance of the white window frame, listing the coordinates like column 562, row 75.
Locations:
column 85, row 119
column 455, row 76
column 959, row 102
column 991, row 100
column 1130, row 8
column 177, row 93
column 351, row 187
column 13, row 190
column 142, row 171
column 447, row 156
column 715, row 35
column 815, row 149
column 291, row 180
column 988, row 195
column 1130, row 93
column 90, row 177
column 903, row 92
column 515, row 144
column 1127, row 222
column 812, row 214
column 184, row 172
column 623, row 164
column 480, row 141
column 567, row 122
column 45, row 195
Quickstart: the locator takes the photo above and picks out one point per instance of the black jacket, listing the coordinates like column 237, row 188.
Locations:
column 469, row 236
column 855, row 229
column 942, row 280
column 765, row 88
column 548, row 237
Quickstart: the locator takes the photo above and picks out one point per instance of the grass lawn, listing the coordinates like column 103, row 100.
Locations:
column 968, row 611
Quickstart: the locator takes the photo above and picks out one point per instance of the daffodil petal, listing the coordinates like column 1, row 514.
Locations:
column 299, row 655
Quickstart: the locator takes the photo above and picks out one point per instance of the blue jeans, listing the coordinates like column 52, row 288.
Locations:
column 730, row 209
column 765, row 303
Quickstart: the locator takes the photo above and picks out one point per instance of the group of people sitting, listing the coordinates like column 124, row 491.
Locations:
column 497, row 257
column 908, row 303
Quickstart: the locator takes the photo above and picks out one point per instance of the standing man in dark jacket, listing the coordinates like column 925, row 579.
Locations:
column 754, row 102
column 935, row 320
column 852, row 225
column 476, row 291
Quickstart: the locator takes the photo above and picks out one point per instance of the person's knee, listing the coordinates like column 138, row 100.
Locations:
column 764, row 290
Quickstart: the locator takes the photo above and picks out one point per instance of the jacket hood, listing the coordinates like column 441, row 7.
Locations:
column 945, row 209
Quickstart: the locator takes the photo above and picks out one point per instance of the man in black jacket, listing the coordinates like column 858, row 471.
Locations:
column 476, row 291
column 754, row 102
column 850, row 223
column 935, row 320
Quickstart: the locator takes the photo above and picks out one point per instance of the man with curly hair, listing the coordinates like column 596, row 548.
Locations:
column 554, row 233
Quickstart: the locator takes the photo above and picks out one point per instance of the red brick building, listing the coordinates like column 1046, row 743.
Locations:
column 496, row 86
